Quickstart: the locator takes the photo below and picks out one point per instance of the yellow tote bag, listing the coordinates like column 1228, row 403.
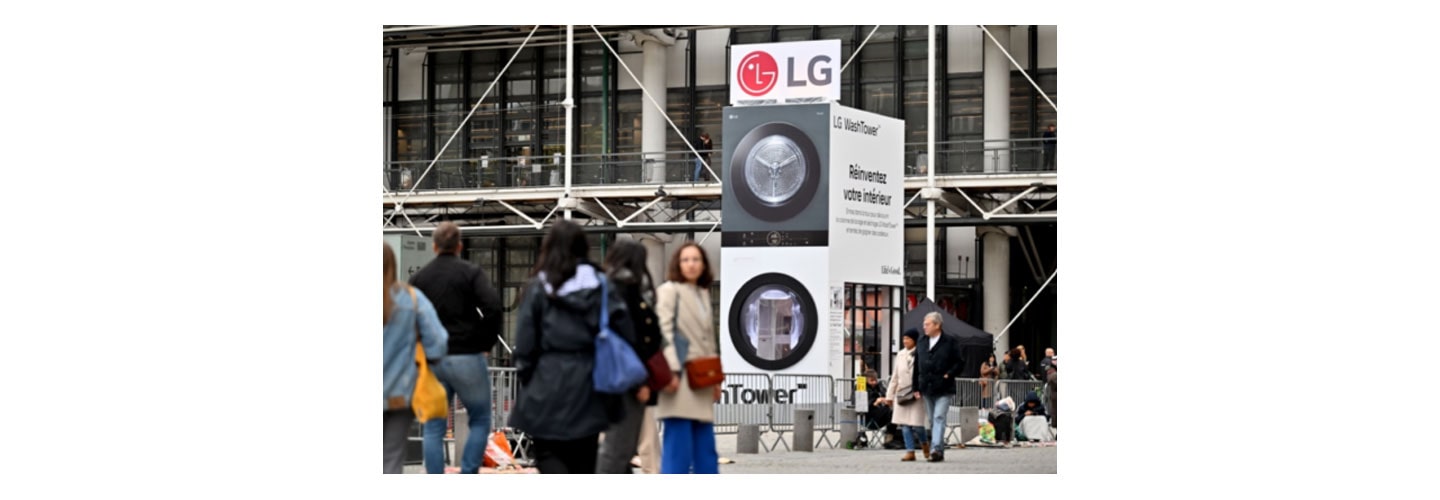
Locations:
column 429, row 400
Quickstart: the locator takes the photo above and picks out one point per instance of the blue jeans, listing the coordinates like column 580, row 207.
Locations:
column 938, row 407
column 698, row 168
column 468, row 376
column 688, row 446
column 435, row 445
column 910, row 433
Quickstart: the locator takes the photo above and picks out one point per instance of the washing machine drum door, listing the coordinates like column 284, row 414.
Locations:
column 773, row 321
column 776, row 171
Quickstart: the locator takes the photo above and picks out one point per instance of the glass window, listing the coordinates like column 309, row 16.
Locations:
column 753, row 34
column 483, row 70
column 878, row 98
column 916, row 118
column 485, row 130
column 709, row 107
column 449, row 74
column 795, row 33
column 592, row 59
column 627, row 126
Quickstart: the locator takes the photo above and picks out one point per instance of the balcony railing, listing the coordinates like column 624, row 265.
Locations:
column 975, row 157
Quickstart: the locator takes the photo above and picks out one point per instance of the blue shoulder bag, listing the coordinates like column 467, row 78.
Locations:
column 617, row 368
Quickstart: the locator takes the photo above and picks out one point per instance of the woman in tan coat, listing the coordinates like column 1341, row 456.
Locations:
column 688, row 415
column 910, row 416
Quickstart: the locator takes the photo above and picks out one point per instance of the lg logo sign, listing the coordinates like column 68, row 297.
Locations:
column 759, row 72
column 807, row 73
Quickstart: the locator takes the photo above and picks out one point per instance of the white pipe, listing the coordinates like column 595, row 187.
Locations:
column 1023, row 216
column 607, row 209
column 412, row 224
column 1017, row 66
column 912, row 200
column 930, row 249
column 1027, row 304
column 641, row 210
column 858, row 47
column 517, row 212
column 569, row 105
column 979, row 210
column 547, row 216
column 1012, row 200
column 707, row 233
column 461, row 126
column 930, row 172
column 657, row 105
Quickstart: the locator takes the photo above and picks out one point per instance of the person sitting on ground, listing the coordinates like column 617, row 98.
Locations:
column 1030, row 419
column 1032, row 407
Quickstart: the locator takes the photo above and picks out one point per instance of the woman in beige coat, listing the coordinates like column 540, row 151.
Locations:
column 688, row 415
column 909, row 416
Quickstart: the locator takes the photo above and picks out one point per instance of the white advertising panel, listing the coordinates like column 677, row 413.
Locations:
column 867, row 195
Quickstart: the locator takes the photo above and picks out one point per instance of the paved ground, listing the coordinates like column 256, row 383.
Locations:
column 823, row 460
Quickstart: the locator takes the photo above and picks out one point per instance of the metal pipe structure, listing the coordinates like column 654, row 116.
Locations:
column 1027, row 305
column 930, row 171
column 569, row 104
column 461, row 126
column 1005, row 51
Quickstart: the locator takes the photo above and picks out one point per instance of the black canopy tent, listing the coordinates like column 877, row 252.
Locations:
column 975, row 345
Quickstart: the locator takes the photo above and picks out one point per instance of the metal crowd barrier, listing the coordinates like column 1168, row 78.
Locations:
column 743, row 400
column 504, row 391
column 969, row 393
column 1015, row 389
column 804, row 392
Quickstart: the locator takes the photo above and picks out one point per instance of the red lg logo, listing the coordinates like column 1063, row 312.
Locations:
column 757, row 73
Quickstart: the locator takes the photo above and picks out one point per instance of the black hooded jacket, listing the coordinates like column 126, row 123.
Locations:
column 1038, row 408
column 555, row 357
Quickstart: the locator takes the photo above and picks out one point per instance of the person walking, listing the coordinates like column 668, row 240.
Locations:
column 937, row 365
column 704, row 148
column 408, row 314
column 688, row 415
column 909, row 413
column 555, row 329
column 625, row 268
column 469, row 307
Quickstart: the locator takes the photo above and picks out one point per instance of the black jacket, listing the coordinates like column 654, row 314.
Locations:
column 936, row 369
column 457, row 288
column 1019, row 370
column 639, row 304
column 555, row 356
column 1038, row 409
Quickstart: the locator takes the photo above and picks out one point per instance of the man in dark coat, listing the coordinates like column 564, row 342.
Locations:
column 469, row 307
column 937, row 365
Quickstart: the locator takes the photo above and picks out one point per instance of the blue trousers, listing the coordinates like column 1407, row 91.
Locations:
column 688, row 446
column 911, row 432
column 938, row 408
column 434, row 445
column 466, row 376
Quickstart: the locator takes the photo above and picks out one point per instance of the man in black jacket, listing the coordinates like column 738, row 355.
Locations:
column 469, row 308
column 937, row 364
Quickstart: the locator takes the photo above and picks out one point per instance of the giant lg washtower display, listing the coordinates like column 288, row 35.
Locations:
column 791, row 174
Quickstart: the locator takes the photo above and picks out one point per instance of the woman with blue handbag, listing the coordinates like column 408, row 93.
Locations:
column 625, row 269
column 556, row 328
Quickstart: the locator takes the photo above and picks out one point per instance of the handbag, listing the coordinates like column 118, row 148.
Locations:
column 429, row 400
column 660, row 375
column 617, row 368
column 906, row 397
column 700, row 372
